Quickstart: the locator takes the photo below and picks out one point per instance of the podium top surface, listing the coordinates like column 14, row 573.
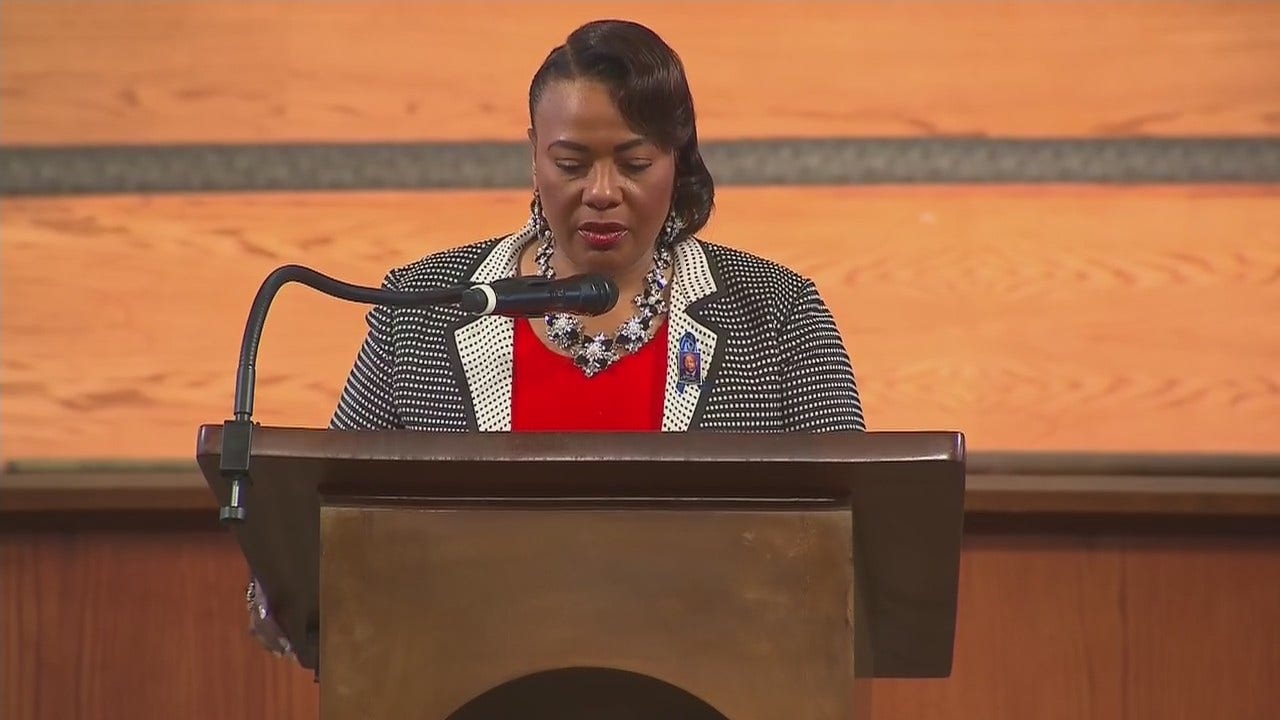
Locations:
column 905, row 489
column 649, row 464
column 701, row 446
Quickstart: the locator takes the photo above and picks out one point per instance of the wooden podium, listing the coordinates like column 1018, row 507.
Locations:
column 464, row 576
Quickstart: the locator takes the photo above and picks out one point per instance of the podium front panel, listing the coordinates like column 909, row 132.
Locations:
column 750, row 609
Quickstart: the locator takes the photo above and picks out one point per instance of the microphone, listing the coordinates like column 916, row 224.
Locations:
column 535, row 296
column 521, row 296
column 237, row 433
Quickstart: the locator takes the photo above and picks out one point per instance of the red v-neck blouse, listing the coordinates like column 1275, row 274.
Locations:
column 550, row 394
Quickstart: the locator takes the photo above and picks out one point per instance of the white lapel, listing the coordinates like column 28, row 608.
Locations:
column 689, row 341
column 486, row 345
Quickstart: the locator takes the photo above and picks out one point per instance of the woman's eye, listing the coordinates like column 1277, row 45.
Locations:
column 574, row 166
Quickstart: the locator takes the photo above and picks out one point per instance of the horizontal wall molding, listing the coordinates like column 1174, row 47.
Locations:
column 998, row 483
column 502, row 165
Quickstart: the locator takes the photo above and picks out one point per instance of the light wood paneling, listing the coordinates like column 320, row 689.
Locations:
column 163, row 72
column 1029, row 318
column 150, row 624
column 1034, row 319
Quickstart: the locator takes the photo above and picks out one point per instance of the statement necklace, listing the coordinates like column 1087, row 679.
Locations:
column 593, row 354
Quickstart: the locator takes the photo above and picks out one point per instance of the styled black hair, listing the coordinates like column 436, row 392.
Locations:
column 647, row 82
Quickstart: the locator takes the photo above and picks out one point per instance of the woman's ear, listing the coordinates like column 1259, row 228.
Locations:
column 533, row 153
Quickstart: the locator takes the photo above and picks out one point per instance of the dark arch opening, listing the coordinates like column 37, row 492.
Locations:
column 586, row 693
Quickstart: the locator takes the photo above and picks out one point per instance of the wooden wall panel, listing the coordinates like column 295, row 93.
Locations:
column 1214, row 600
column 1037, row 636
column 1032, row 319
column 151, row 625
column 1107, row 628
column 141, row 625
column 132, row 72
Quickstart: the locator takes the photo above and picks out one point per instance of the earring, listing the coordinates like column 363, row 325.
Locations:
column 671, row 229
column 539, row 220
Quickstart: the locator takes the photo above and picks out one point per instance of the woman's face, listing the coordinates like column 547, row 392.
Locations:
column 605, row 190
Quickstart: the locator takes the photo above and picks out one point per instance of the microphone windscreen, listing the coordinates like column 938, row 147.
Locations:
column 601, row 294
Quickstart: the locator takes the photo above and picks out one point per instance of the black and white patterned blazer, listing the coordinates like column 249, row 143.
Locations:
column 772, row 358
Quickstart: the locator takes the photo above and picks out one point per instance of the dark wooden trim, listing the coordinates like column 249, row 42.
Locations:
column 157, row 488
column 1124, row 464
column 1120, row 494
column 999, row 484
column 1119, row 524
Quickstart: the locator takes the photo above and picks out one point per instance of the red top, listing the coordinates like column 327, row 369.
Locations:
column 551, row 394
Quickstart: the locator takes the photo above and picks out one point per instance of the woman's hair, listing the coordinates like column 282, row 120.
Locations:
column 647, row 82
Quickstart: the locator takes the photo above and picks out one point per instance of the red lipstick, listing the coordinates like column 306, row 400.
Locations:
column 602, row 235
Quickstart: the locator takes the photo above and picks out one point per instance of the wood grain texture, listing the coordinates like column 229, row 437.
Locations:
column 1226, row 601
column 1037, row 635
column 129, row 72
column 748, row 610
column 141, row 625
column 1108, row 628
column 1070, row 319
column 149, row 625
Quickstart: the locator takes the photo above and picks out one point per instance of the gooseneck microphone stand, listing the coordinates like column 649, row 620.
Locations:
column 237, row 433
column 527, row 296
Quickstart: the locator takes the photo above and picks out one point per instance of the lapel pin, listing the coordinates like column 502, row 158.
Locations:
column 690, row 361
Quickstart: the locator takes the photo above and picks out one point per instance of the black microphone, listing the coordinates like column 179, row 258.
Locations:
column 527, row 296
column 237, row 433
column 534, row 296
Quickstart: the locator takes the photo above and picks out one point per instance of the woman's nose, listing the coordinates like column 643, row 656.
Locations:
column 602, row 187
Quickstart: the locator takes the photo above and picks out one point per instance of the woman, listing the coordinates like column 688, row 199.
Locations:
column 715, row 339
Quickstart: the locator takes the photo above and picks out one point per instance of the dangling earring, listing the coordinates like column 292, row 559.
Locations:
column 671, row 229
column 538, row 219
